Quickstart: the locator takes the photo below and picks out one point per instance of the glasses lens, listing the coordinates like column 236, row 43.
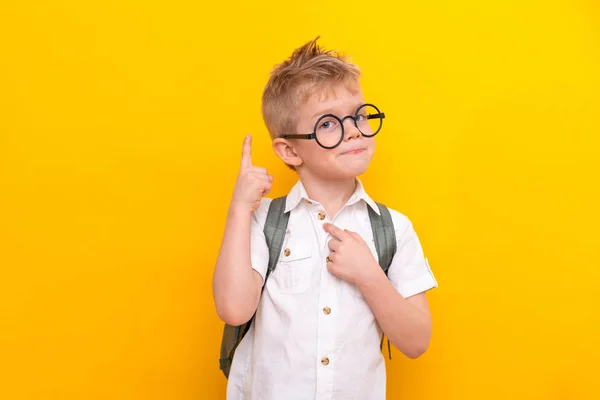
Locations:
column 369, row 120
column 329, row 131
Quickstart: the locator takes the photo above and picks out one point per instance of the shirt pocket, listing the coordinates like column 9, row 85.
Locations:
column 294, row 269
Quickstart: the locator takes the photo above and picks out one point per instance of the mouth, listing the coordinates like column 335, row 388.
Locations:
column 353, row 152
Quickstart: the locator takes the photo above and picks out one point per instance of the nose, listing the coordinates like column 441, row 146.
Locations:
column 350, row 130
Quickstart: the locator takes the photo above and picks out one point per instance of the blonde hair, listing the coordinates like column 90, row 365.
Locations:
column 308, row 69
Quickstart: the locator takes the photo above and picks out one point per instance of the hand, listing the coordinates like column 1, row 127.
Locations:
column 253, row 183
column 350, row 258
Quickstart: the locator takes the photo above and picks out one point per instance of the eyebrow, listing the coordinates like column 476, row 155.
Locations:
column 331, row 111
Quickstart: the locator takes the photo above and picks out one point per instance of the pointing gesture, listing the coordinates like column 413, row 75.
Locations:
column 252, row 182
column 246, row 153
column 350, row 258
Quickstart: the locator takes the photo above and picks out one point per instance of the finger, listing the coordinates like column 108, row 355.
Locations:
column 246, row 157
column 259, row 170
column 335, row 231
column 353, row 235
column 331, row 265
column 262, row 184
column 266, row 189
column 261, row 179
column 257, row 174
column 334, row 244
column 263, row 187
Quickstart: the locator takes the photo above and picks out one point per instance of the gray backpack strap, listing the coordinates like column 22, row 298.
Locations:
column 274, row 229
column 384, row 235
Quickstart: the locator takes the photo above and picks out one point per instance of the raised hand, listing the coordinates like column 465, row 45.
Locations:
column 253, row 183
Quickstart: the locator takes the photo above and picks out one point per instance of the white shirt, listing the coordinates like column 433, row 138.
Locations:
column 314, row 335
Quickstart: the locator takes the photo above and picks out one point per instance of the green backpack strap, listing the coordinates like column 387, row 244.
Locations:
column 274, row 230
column 384, row 236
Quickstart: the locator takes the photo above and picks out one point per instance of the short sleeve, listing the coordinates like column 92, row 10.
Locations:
column 409, row 271
column 259, row 251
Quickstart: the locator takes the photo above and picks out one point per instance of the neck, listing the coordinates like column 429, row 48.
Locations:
column 332, row 194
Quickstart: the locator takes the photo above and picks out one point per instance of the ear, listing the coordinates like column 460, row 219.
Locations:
column 286, row 151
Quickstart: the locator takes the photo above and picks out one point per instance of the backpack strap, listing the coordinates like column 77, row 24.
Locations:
column 274, row 230
column 384, row 235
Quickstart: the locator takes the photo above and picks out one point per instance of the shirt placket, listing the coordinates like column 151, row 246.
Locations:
column 327, row 320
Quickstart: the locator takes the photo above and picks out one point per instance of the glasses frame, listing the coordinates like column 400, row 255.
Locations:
column 354, row 118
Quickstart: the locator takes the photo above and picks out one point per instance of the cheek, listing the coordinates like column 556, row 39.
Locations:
column 325, row 159
column 371, row 148
column 371, row 144
column 313, row 154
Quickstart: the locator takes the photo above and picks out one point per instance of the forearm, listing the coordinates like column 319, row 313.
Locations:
column 406, row 326
column 236, row 286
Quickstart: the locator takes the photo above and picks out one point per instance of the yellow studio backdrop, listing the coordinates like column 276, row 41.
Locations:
column 121, row 125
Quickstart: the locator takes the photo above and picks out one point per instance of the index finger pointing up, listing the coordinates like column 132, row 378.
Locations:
column 246, row 157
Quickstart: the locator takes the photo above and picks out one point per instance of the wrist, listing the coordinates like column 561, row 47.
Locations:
column 370, row 277
column 239, row 210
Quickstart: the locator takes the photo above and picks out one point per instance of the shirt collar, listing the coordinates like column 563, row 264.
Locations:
column 298, row 193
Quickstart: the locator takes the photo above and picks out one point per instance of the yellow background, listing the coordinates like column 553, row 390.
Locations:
column 121, row 124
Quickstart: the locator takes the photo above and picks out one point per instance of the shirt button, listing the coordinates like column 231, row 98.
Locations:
column 327, row 311
column 286, row 252
column 321, row 216
column 325, row 361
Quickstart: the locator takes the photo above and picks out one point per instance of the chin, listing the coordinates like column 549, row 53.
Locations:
column 354, row 172
column 350, row 170
column 356, row 165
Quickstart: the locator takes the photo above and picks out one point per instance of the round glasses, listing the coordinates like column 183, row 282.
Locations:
column 329, row 129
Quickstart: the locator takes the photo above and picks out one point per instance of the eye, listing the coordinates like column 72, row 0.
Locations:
column 327, row 125
column 362, row 117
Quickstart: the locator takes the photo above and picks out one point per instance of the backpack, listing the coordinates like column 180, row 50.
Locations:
column 274, row 230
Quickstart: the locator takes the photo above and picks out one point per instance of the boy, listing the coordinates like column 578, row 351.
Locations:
column 318, row 324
